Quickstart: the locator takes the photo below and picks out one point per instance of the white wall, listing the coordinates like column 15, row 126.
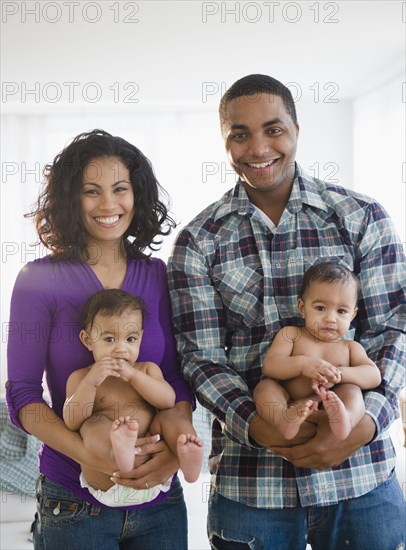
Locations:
column 379, row 147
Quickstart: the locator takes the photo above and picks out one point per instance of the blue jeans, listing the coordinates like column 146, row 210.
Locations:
column 375, row 520
column 65, row 522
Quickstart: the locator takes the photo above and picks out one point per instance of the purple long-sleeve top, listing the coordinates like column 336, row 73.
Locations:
column 46, row 304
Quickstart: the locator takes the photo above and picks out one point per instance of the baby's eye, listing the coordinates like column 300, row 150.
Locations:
column 320, row 308
column 109, row 339
column 132, row 339
column 342, row 311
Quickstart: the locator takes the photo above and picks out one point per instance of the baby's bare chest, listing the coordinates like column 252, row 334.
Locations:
column 117, row 398
column 336, row 353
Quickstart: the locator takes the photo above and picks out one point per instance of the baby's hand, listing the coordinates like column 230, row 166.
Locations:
column 127, row 370
column 102, row 369
column 321, row 372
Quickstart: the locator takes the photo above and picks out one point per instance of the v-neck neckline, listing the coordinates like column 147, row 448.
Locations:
column 96, row 279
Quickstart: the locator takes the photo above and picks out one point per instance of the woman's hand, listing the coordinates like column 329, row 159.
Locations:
column 155, row 464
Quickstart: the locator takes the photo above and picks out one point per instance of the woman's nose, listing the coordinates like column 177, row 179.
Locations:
column 107, row 202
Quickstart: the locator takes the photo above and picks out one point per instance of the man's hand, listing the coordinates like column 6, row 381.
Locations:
column 268, row 436
column 324, row 450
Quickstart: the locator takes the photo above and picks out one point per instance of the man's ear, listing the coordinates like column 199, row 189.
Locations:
column 85, row 339
column 300, row 306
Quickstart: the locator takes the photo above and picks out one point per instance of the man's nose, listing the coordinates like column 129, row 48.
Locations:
column 259, row 147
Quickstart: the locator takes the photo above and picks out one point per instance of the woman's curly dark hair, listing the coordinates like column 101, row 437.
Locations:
column 58, row 216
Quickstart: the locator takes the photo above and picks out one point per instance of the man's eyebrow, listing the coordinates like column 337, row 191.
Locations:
column 270, row 122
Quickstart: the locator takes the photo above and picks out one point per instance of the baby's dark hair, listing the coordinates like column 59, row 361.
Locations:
column 110, row 301
column 328, row 272
column 255, row 84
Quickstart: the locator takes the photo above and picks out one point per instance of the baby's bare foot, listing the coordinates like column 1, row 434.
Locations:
column 338, row 416
column 123, row 436
column 294, row 416
column 190, row 456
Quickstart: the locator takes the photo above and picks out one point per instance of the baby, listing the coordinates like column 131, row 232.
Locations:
column 115, row 400
column 308, row 361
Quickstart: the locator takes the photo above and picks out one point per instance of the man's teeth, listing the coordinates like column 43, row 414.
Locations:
column 108, row 221
column 261, row 164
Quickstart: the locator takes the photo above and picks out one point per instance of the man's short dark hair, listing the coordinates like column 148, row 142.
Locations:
column 254, row 84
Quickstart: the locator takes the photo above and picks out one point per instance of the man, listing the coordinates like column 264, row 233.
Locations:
column 235, row 277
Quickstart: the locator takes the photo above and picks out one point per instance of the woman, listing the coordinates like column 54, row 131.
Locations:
column 98, row 213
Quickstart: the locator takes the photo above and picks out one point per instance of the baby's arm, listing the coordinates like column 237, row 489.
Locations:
column 81, row 390
column 362, row 371
column 147, row 379
column 281, row 365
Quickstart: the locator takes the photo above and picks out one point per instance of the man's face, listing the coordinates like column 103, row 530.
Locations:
column 261, row 140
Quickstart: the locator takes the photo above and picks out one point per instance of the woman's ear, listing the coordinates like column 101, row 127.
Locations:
column 85, row 339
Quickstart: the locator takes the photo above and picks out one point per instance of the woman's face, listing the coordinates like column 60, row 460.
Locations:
column 107, row 200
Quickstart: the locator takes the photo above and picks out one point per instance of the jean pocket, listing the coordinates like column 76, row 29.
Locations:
column 59, row 510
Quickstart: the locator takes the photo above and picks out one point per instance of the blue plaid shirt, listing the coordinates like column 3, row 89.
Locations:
column 234, row 284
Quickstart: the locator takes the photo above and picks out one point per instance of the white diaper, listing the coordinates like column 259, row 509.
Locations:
column 119, row 495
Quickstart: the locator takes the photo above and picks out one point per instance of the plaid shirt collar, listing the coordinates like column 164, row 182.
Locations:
column 304, row 191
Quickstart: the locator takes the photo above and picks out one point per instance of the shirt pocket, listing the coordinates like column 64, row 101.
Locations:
column 241, row 291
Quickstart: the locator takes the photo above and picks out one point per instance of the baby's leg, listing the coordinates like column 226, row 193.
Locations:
column 344, row 407
column 178, row 432
column 95, row 432
column 271, row 400
column 123, row 435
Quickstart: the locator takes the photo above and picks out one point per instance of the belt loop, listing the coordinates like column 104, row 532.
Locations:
column 94, row 510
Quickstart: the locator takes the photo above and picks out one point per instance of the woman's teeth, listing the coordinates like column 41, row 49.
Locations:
column 108, row 221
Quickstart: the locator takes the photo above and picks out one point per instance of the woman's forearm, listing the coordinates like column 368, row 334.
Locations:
column 42, row 422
